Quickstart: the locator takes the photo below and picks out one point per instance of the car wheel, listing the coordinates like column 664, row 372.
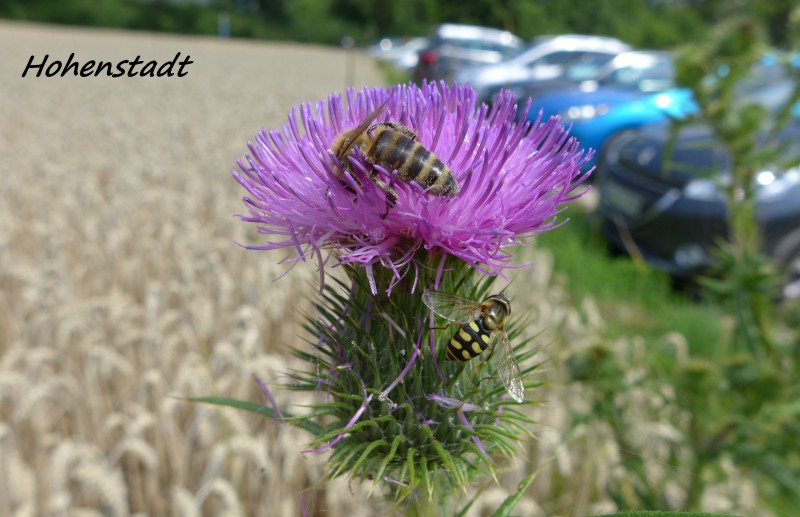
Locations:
column 787, row 255
column 791, row 281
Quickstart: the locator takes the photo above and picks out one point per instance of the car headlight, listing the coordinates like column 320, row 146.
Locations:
column 771, row 185
column 704, row 189
column 585, row 112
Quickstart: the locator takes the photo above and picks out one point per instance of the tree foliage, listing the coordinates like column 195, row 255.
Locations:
column 642, row 23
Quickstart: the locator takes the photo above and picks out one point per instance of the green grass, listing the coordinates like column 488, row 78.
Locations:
column 634, row 298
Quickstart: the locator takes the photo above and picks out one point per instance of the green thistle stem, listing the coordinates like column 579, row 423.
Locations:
column 417, row 426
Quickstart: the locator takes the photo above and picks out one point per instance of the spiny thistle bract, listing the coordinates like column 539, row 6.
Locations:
column 392, row 410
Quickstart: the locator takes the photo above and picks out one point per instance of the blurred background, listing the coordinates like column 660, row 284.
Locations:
column 645, row 24
column 667, row 309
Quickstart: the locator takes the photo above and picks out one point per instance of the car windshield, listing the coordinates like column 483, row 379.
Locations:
column 657, row 76
column 479, row 45
column 519, row 54
column 584, row 66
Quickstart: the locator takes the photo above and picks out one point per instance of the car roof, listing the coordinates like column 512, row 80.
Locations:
column 588, row 42
column 459, row 31
column 639, row 58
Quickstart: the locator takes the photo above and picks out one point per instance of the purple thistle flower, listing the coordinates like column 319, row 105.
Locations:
column 512, row 181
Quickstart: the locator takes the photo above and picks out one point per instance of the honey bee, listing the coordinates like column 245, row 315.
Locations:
column 482, row 324
column 395, row 147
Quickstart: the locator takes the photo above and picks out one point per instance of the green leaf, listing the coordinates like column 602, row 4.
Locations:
column 365, row 454
column 666, row 514
column 411, row 474
column 331, row 434
column 446, row 458
column 395, row 443
column 260, row 409
column 427, row 474
column 511, row 501
column 348, row 454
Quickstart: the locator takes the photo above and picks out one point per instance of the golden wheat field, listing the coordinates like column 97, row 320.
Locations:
column 123, row 291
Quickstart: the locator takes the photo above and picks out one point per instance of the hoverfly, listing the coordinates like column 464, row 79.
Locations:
column 482, row 324
column 396, row 148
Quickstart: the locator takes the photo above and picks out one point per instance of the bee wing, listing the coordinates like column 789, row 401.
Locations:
column 508, row 369
column 451, row 307
column 349, row 138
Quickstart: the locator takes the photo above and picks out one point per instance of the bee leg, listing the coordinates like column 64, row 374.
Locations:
column 346, row 169
column 396, row 127
column 391, row 194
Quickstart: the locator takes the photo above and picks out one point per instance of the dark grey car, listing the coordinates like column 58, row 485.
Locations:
column 673, row 215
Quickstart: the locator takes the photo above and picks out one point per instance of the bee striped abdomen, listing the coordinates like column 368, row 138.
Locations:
column 469, row 342
column 390, row 148
column 398, row 151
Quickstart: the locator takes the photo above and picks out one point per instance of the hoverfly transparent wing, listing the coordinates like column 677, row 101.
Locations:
column 451, row 307
column 508, row 369
column 349, row 138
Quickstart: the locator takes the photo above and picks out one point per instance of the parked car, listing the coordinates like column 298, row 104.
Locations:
column 454, row 47
column 647, row 71
column 643, row 71
column 673, row 212
column 401, row 53
column 621, row 98
column 548, row 57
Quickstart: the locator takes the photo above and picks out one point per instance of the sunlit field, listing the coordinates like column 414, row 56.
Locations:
column 123, row 291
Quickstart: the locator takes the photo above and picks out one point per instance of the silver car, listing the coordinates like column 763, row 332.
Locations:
column 454, row 47
column 548, row 57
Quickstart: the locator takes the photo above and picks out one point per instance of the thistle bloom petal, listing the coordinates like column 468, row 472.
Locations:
column 513, row 180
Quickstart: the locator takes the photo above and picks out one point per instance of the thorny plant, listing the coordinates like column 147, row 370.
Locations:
column 736, row 405
column 392, row 410
column 757, row 378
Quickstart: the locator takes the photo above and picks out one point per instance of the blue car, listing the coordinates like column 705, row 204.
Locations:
column 635, row 91
column 598, row 115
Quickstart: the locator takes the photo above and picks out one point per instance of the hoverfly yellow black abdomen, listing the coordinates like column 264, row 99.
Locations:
column 469, row 342
column 482, row 324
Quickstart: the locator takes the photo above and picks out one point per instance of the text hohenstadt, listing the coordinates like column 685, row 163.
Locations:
column 136, row 67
